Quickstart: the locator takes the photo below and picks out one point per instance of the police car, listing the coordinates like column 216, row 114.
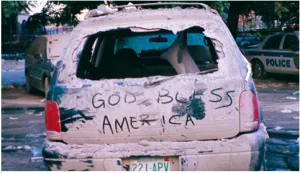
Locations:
column 278, row 53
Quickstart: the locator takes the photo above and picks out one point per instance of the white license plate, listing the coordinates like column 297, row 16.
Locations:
column 151, row 164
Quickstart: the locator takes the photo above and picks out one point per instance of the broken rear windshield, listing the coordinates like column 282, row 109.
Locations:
column 123, row 53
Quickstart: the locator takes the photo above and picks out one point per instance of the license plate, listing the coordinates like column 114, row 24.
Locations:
column 151, row 164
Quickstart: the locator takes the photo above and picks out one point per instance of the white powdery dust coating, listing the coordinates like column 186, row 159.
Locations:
column 278, row 128
column 286, row 111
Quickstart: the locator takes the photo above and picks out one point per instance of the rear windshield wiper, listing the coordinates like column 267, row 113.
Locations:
column 157, row 82
column 208, row 71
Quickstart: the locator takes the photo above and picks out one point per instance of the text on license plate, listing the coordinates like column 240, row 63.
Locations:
column 150, row 164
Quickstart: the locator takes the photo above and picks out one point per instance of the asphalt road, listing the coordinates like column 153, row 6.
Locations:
column 23, row 127
column 22, row 136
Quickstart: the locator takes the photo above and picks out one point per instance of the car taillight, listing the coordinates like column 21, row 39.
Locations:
column 249, row 112
column 52, row 119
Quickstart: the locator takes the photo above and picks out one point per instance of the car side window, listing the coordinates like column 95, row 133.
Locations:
column 34, row 47
column 290, row 42
column 273, row 42
column 43, row 47
column 85, row 64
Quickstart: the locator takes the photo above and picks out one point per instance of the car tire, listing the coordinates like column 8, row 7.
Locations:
column 46, row 86
column 258, row 70
column 28, row 86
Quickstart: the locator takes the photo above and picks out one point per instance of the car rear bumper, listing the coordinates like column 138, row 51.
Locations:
column 244, row 152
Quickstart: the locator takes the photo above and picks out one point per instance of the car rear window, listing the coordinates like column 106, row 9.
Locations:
column 273, row 42
column 124, row 53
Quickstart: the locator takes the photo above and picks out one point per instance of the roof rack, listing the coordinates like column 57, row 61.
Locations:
column 206, row 7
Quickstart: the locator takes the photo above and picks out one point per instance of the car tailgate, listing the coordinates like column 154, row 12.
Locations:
column 180, row 108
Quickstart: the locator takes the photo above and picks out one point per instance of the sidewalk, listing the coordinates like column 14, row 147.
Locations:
column 18, row 98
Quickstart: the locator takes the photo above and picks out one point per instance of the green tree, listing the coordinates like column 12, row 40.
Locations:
column 72, row 8
column 230, row 10
column 9, row 13
column 263, row 8
column 287, row 12
column 282, row 11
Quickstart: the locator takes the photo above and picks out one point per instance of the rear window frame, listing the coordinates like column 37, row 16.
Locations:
column 193, row 30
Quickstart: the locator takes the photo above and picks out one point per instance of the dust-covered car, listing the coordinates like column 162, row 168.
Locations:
column 41, row 58
column 153, row 90
column 278, row 53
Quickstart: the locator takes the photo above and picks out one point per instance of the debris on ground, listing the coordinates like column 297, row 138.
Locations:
column 291, row 98
column 26, row 147
column 36, row 159
column 13, row 118
column 30, row 113
column 19, row 147
column 36, row 135
column 11, row 87
column 39, row 114
column 278, row 128
column 286, row 111
column 9, row 148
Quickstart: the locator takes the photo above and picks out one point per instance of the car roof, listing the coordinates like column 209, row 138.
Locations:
column 104, row 10
column 166, row 18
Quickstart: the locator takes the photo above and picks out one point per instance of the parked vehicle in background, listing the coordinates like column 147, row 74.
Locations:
column 153, row 90
column 278, row 53
column 40, row 60
column 291, row 25
column 244, row 41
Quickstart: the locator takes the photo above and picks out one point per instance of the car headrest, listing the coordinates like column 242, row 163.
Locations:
column 125, row 53
column 177, row 55
column 126, row 56
column 200, row 54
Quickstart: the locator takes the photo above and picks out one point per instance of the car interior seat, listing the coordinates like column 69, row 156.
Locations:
column 200, row 54
column 202, row 57
column 126, row 64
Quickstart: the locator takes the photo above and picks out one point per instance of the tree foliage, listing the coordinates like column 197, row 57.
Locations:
column 13, row 8
column 229, row 10
column 282, row 11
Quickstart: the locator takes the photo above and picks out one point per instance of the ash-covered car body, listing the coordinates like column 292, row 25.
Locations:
column 153, row 89
column 278, row 53
column 41, row 58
